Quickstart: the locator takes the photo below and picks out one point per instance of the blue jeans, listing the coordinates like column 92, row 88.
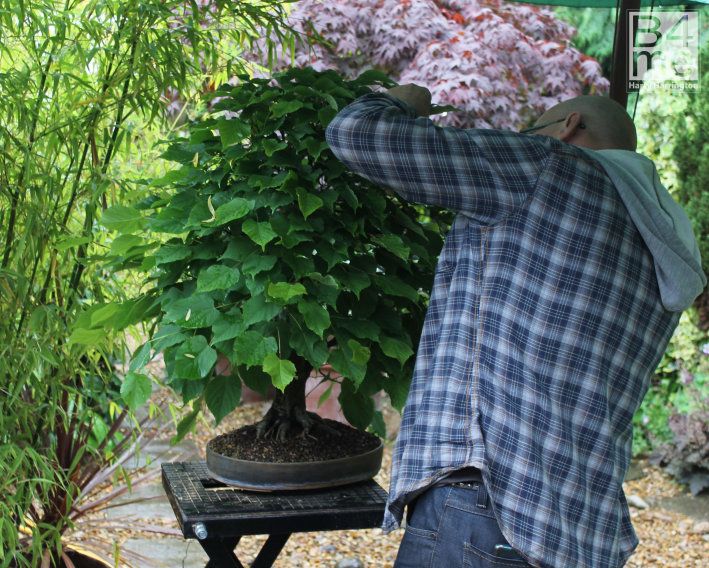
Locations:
column 454, row 526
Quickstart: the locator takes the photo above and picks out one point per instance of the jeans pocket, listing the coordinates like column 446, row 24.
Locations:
column 450, row 527
column 417, row 548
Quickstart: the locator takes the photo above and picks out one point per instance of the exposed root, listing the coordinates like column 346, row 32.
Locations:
column 284, row 423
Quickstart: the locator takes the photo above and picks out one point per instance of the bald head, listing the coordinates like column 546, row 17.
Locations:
column 598, row 123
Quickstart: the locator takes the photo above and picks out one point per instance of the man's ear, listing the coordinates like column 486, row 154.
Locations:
column 570, row 127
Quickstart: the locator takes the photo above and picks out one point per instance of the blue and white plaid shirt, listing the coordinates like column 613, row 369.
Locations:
column 543, row 331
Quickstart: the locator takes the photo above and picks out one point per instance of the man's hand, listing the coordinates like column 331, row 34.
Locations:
column 417, row 97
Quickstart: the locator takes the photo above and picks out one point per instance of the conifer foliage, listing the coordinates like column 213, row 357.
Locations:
column 501, row 64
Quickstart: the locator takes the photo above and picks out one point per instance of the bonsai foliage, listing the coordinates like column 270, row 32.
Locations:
column 502, row 64
column 274, row 255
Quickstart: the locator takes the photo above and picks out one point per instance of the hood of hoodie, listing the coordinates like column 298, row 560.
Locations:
column 662, row 223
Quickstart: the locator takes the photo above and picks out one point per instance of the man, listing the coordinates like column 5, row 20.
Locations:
column 558, row 288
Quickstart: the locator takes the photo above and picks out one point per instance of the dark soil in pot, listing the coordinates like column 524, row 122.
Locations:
column 334, row 440
column 331, row 454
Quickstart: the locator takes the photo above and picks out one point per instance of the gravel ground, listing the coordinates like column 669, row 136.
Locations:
column 667, row 539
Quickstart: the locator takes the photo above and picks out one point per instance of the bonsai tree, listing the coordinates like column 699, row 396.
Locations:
column 269, row 252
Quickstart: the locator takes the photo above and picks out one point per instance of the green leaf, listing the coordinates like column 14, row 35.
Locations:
column 285, row 291
column 325, row 288
column 398, row 390
column 234, row 209
column 171, row 253
column 104, row 314
column 360, row 353
column 170, row 220
column 222, row 395
column 206, row 360
column 316, row 316
column 316, row 145
column 83, row 336
column 282, row 372
column 271, row 146
column 217, row 277
column 251, row 348
column 123, row 218
column 194, row 359
column 227, row 326
column 374, row 77
column 260, row 233
column 333, row 255
column 124, row 243
column 167, row 336
column 377, row 425
column 324, row 396
column 308, row 345
column 393, row 285
column 356, row 406
column 364, row 329
column 130, row 312
column 170, row 178
column 232, row 131
column 284, row 107
column 396, row 349
column 186, row 425
column 394, row 245
column 326, row 114
column 256, row 309
column 256, row 379
column 136, row 389
column 193, row 312
column 256, row 263
column 140, row 357
column 239, row 249
column 200, row 214
column 72, row 242
column 180, row 153
column 344, row 365
column 308, row 202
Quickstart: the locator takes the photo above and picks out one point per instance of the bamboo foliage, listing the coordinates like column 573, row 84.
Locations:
column 81, row 99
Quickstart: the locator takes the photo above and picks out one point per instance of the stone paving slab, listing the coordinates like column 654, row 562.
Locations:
column 173, row 552
column 696, row 508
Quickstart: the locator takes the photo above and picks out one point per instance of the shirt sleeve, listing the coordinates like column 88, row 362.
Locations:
column 486, row 174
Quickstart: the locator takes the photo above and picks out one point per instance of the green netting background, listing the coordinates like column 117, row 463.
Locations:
column 613, row 3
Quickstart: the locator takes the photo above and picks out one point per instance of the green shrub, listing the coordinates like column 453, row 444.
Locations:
column 81, row 84
column 691, row 151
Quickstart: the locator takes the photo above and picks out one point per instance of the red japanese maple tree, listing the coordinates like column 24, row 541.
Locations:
column 502, row 64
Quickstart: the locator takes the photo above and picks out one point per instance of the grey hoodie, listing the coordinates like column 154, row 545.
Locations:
column 663, row 224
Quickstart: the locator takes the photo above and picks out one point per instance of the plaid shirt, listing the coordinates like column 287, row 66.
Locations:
column 543, row 330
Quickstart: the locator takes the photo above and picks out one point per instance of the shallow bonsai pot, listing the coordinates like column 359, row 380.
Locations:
column 286, row 476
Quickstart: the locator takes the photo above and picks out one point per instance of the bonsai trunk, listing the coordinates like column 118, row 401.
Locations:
column 288, row 416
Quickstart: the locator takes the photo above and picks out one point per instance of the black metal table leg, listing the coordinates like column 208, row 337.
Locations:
column 270, row 550
column 221, row 552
